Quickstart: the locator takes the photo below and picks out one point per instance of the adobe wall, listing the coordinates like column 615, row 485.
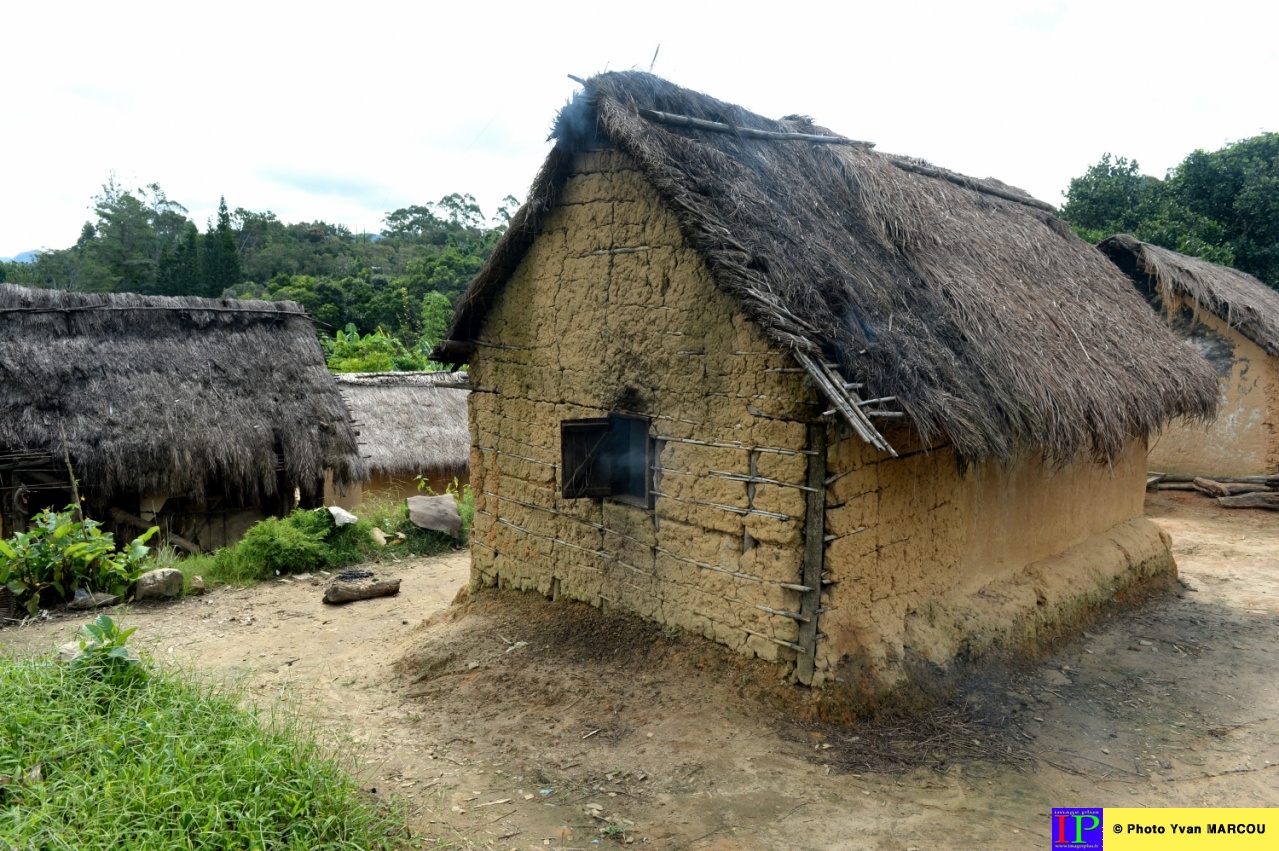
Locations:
column 1244, row 439
column 610, row 311
column 928, row 565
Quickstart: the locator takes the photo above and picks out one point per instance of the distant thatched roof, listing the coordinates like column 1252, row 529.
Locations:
column 968, row 300
column 1237, row 297
column 410, row 422
column 182, row 396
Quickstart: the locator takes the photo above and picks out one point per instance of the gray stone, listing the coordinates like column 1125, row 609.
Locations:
column 438, row 513
column 69, row 652
column 159, row 584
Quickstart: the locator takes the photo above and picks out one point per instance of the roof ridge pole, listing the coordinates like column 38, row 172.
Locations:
column 814, row 552
column 675, row 120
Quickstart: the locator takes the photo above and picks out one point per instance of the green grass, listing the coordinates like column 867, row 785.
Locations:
column 167, row 764
column 307, row 541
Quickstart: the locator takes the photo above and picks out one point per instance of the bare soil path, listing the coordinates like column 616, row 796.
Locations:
column 509, row 722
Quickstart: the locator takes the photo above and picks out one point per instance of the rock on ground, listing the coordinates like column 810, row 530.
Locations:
column 159, row 584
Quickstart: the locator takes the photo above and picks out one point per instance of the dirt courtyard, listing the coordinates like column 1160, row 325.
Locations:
column 509, row 722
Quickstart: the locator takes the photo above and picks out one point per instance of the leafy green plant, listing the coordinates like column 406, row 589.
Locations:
column 61, row 553
column 375, row 352
column 104, row 655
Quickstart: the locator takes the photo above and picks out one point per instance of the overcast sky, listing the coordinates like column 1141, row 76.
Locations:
column 343, row 112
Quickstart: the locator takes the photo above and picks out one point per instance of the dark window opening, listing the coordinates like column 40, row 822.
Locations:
column 606, row 456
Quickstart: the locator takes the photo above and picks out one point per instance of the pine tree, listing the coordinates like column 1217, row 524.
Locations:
column 179, row 272
column 221, row 259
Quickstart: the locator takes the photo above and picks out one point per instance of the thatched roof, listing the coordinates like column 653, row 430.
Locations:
column 1236, row 297
column 991, row 323
column 181, row 396
column 410, row 423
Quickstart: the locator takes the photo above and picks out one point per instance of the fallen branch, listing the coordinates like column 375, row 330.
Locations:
column 347, row 592
column 1251, row 500
column 1215, row 488
column 1180, row 477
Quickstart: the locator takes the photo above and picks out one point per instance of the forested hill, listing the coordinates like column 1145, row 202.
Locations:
column 401, row 282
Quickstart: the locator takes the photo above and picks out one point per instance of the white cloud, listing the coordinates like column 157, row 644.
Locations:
column 342, row 112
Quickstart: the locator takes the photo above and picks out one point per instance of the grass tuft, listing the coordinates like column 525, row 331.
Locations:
column 167, row 764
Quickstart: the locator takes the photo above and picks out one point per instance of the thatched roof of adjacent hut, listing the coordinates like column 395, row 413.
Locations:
column 410, row 423
column 179, row 396
column 968, row 300
column 1241, row 300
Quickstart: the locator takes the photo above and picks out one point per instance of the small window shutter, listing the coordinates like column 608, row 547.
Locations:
column 584, row 455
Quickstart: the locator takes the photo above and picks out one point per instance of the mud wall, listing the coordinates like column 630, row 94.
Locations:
column 611, row 312
column 927, row 565
column 1244, row 439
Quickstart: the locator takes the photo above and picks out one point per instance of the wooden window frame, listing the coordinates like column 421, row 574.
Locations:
column 593, row 459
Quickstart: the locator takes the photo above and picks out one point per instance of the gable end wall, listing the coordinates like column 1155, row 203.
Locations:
column 611, row 311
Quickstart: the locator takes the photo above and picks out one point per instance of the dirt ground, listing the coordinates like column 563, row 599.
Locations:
column 509, row 722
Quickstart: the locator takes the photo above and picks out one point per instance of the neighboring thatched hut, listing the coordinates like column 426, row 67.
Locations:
column 200, row 415
column 825, row 405
column 410, row 425
column 1232, row 319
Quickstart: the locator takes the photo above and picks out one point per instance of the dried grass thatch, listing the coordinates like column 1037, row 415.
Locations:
column 1236, row 297
column 990, row 321
column 179, row 396
column 410, row 423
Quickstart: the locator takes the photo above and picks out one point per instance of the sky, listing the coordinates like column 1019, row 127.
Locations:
column 346, row 111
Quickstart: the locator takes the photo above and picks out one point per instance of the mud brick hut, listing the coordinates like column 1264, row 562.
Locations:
column 1232, row 319
column 825, row 405
column 410, row 425
column 201, row 416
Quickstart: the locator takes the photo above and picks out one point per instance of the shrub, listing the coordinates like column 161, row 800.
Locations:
column 282, row 546
column 63, row 554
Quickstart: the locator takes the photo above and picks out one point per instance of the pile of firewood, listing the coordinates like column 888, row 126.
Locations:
column 1230, row 491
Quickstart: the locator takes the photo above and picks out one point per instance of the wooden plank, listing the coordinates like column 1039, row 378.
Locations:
column 814, row 552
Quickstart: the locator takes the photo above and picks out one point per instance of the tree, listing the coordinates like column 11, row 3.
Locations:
column 1220, row 205
column 123, row 250
column 179, row 270
column 1113, row 196
column 1236, row 190
column 220, row 262
column 436, row 312
column 462, row 211
column 502, row 218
